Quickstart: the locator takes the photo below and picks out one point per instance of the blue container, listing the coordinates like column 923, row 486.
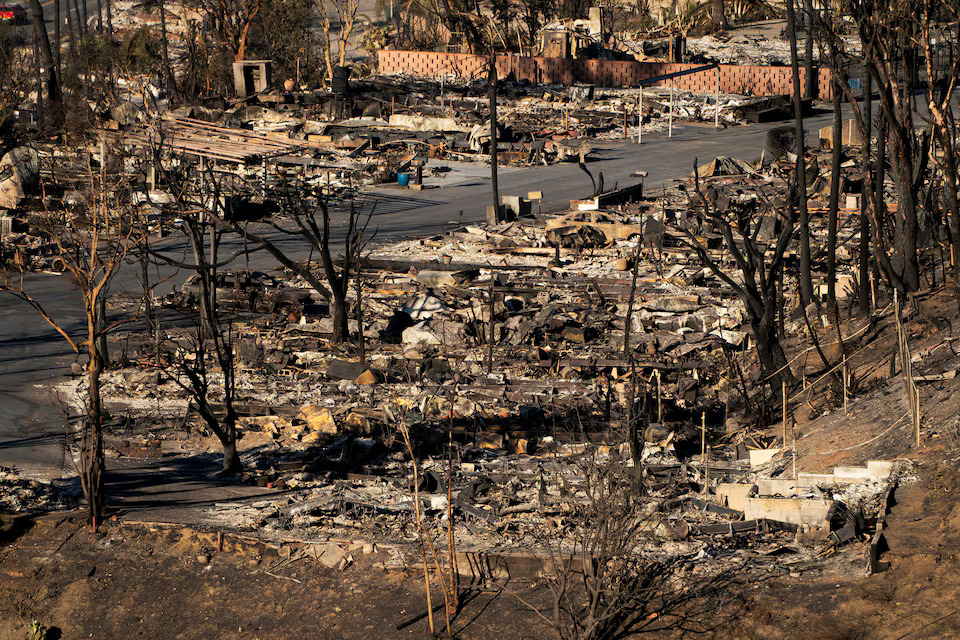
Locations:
column 403, row 179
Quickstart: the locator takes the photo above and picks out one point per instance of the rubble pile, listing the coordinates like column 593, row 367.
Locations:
column 502, row 504
column 759, row 48
column 557, row 332
column 410, row 134
column 19, row 494
column 500, row 349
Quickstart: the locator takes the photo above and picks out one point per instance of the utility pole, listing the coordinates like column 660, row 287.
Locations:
column 493, row 215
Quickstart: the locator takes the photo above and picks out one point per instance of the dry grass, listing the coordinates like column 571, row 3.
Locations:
column 835, row 627
column 878, row 589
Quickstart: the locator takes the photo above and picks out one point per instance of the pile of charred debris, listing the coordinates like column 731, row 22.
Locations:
column 378, row 131
column 503, row 356
column 20, row 494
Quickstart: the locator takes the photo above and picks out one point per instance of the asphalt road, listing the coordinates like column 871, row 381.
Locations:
column 31, row 353
column 67, row 8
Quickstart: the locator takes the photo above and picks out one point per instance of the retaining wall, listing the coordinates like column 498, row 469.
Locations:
column 743, row 80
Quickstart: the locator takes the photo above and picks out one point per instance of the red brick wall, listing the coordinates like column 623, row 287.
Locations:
column 745, row 80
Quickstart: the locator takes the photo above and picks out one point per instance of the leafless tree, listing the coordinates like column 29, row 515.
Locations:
column 800, row 182
column 941, row 89
column 233, row 21
column 204, row 359
column 206, row 368
column 430, row 554
column 602, row 585
column 889, row 33
column 14, row 84
column 810, row 77
column 307, row 209
column 823, row 23
column 93, row 240
column 718, row 16
column 338, row 19
column 49, row 63
column 759, row 261
column 866, row 167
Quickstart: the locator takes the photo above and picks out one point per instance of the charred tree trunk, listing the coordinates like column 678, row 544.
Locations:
column 225, row 429
column 46, row 54
column 338, row 279
column 881, row 264
column 893, row 64
column 81, row 26
column 834, row 205
column 71, row 29
column 952, row 199
column 358, row 313
column 810, row 77
column 628, row 322
column 91, row 448
column 206, row 297
column 168, row 79
column 101, row 318
column 907, row 179
column 773, row 360
column 718, row 17
column 864, row 266
column 806, row 282
column 633, row 425
column 231, row 459
column 340, row 317
column 57, row 44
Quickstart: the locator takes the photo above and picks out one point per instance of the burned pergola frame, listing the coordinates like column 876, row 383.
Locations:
column 211, row 141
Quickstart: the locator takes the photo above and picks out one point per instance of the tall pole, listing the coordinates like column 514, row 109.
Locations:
column 56, row 36
column 36, row 68
column 43, row 50
column 81, row 27
column 165, row 52
column 864, row 258
column 810, row 82
column 493, row 132
column 806, row 286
